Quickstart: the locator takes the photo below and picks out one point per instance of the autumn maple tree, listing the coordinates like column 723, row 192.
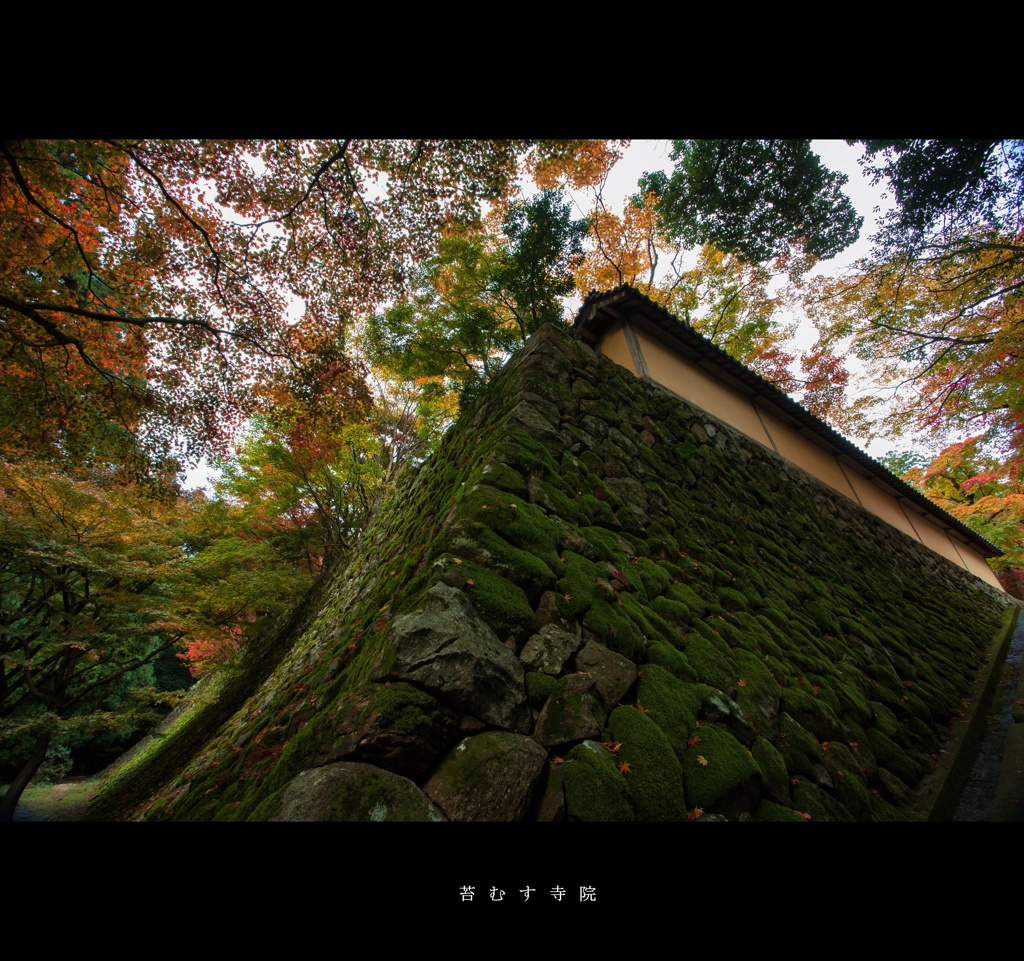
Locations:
column 177, row 272
column 973, row 483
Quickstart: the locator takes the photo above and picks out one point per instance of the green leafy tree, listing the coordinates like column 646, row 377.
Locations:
column 944, row 190
column 480, row 297
column 307, row 504
column 755, row 198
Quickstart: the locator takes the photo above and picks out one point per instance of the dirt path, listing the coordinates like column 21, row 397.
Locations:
column 66, row 801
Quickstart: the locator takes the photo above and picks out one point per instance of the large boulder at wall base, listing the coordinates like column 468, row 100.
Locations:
column 353, row 792
column 488, row 777
column 446, row 650
column 394, row 726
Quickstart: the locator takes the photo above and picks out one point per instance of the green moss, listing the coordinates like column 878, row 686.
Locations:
column 578, row 583
column 654, row 777
column 605, row 543
column 650, row 622
column 683, row 594
column 268, row 807
column 772, row 767
column 518, row 450
column 595, row 790
column 520, row 523
column 614, row 629
column 758, row 694
column 499, row 602
column 672, row 704
column 799, row 701
column 504, row 478
column 652, row 579
column 907, row 765
column 675, row 613
column 849, row 785
column 731, row 600
column 884, row 720
column 770, row 811
column 549, row 497
column 710, row 663
column 810, row 799
column 481, row 544
column 730, row 777
column 595, row 511
column 539, row 687
column 799, row 749
column 666, row 655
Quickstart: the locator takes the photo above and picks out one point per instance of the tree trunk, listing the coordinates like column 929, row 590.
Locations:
column 14, row 791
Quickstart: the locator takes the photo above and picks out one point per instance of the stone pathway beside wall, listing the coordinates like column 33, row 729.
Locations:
column 995, row 789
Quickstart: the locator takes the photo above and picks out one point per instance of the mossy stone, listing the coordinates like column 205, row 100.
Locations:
column 849, row 785
column 799, row 701
column 654, row 776
column 539, row 687
column 504, row 478
column 799, row 749
column 809, row 798
column 671, row 658
column 720, row 774
column 614, row 629
column 907, row 765
column 595, row 789
column 770, row 811
column 679, row 615
column 671, row 703
column 773, row 769
column 502, row 604
column 709, row 662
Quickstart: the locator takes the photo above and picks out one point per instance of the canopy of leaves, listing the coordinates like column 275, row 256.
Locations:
column 158, row 276
column 945, row 187
column 754, row 198
column 937, row 313
column 480, row 297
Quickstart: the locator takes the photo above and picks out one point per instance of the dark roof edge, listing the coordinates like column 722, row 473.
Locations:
column 597, row 314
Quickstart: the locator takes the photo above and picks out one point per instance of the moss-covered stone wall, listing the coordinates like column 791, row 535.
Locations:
column 663, row 619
